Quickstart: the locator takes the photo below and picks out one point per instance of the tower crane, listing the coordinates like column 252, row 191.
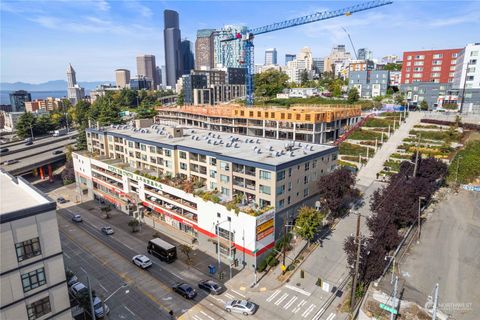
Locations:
column 247, row 35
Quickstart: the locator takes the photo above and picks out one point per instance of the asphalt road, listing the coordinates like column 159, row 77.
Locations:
column 36, row 149
column 126, row 302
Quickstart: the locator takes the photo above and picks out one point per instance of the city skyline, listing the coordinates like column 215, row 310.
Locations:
column 55, row 34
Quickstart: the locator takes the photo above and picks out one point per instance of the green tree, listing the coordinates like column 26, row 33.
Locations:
column 25, row 125
column 393, row 67
column 181, row 98
column 146, row 113
column 269, row 83
column 400, row 99
column 423, row 105
column 186, row 250
column 105, row 111
column 335, row 87
column 307, row 222
column 353, row 95
column 304, row 78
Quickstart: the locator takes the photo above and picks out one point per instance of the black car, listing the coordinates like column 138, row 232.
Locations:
column 61, row 200
column 211, row 287
column 3, row 150
column 57, row 152
column 185, row 290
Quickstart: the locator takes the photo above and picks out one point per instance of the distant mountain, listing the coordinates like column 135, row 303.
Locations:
column 53, row 85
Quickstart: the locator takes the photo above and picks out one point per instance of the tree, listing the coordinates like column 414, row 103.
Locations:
column 68, row 173
column 25, row 125
column 353, row 95
column 106, row 210
column 145, row 113
column 337, row 191
column 134, row 223
column 393, row 67
column 181, row 98
column 335, row 87
column 104, row 111
column 81, row 138
column 423, row 105
column 269, row 83
column 186, row 250
column 304, row 77
column 400, row 99
column 307, row 222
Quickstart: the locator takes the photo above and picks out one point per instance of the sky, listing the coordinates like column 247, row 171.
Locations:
column 39, row 38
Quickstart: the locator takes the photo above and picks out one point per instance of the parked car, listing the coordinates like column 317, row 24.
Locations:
column 107, row 230
column 61, row 200
column 211, row 287
column 78, row 289
column 142, row 261
column 241, row 306
column 28, row 143
column 98, row 308
column 4, row 150
column 185, row 290
column 71, row 278
column 9, row 162
column 57, row 152
column 77, row 218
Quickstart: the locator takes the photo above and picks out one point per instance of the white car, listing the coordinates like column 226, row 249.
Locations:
column 142, row 261
column 77, row 218
column 241, row 306
column 77, row 289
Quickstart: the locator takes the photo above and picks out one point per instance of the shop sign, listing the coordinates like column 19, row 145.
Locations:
column 135, row 177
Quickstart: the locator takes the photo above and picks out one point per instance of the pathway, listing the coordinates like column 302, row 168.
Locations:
column 368, row 173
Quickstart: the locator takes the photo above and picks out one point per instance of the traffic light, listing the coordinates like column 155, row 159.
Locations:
column 221, row 275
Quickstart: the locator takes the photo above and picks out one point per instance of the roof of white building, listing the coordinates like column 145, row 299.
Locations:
column 16, row 194
column 227, row 145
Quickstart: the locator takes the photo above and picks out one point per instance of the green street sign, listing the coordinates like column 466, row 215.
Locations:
column 388, row 308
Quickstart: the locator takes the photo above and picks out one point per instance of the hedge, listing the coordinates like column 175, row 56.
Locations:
column 437, row 135
column 361, row 134
column 469, row 126
column 378, row 122
column 469, row 165
column 346, row 148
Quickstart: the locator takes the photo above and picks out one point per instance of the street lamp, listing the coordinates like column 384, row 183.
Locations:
column 419, row 212
column 218, row 239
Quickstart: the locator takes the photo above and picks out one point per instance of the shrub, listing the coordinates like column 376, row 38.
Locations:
column 262, row 265
column 272, row 261
column 468, row 167
column 346, row 148
column 378, row 122
column 361, row 134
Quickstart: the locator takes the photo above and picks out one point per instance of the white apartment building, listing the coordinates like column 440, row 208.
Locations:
column 195, row 181
column 303, row 62
column 32, row 274
column 467, row 71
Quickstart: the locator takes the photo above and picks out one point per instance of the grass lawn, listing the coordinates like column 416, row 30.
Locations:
column 378, row 123
column 469, row 165
column 350, row 149
column 361, row 134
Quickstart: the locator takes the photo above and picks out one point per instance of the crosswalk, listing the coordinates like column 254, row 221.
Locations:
column 297, row 304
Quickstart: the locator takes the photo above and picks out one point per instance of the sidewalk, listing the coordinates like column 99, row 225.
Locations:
column 368, row 173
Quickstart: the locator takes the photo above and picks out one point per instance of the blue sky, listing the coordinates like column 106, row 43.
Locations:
column 39, row 38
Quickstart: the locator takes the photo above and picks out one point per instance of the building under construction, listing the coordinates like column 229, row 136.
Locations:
column 308, row 123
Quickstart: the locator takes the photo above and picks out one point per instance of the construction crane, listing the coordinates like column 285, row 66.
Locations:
column 248, row 35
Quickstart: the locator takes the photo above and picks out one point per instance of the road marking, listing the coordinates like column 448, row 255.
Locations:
column 262, row 289
column 318, row 314
column 228, row 295
column 331, row 316
column 104, row 289
column 66, row 255
column 241, row 295
column 309, row 310
column 129, row 310
column 269, row 299
column 289, row 303
column 220, row 300
column 206, row 315
column 128, row 246
column 84, row 270
column 299, row 306
column 196, row 317
column 243, row 288
column 283, row 297
column 298, row 290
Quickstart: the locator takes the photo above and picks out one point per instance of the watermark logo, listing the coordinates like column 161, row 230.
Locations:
column 455, row 306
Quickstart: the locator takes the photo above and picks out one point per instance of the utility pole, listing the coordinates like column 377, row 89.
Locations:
column 357, row 261
column 92, row 309
column 394, row 299
column 435, row 302
column 416, row 157
column 284, row 239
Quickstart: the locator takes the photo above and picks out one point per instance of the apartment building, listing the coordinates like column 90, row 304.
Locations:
column 312, row 124
column 193, row 179
column 370, row 84
column 32, row 273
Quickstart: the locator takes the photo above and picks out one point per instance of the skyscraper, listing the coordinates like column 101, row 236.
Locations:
column 172, row 36
column 364, row 54
column 229, row 54
column 18, row 99
column 188, row 60
column 204, row 49
column 270, row 57
column 290, row 57
column 122, row 77
column 146, row 67
column 75, row 93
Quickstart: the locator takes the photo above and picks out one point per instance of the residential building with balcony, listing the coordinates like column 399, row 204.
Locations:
column 32, row 273
column 370, row 84
column 193, row 179
column 312, row 124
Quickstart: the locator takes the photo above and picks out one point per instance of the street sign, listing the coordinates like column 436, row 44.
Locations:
column 388, row 308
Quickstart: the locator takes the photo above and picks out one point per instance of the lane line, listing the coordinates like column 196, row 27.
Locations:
column 133, row 314
column 241, row 295
column 318, row 314
column 272, row 296
column 331, row 316
column 309, row 310
column 206, row 315
column 104, row 289
column 289, row 303
column 228, row 295
column 283, row 297
column 66, row 255
column 298, row 290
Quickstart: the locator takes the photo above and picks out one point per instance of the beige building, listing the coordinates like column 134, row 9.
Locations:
column 48, row 104
column 122, row 78
column 32, row 271
column 147, row 67
column 338, row 56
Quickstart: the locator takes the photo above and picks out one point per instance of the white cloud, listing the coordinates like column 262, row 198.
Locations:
column 102, row 5
column 473, row 17
column 141, row 9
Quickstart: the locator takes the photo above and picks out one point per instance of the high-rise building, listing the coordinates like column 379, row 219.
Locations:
column 32, row 272
column 164, row 76
column 122, row 77
column 146, row 67
column 467, row 78
column 172, row 44
column 18, row 99
column 318, row 65
column 204, row 49
column 229, row 54
column 188, row 60
column 159, row 76
column 337, row 57
column 270, row 56
column 290, row 57
column 140, row 83
column 364, row 54
column 75, row 93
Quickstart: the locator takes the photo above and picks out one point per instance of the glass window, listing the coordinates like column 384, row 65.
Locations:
column 224, row 166
column 213, row 161
column 305, row 192
column 28, row 249
column 168, row 163
column 280, row 175
column 225, row 192
column 307, row 166
column 289, row 200
column 39, row 308
column 224, row 178
column 33, row 279
column 168, row 152
column 289, row 172
column 437, row 56
column 183, row 155
column 213, row 185
column 280, row 190
column 183, row 166
column 265, row 175
column 305, row 179
column 153, row 149
column 281, row 204
column 265, row 189
column 409, row 58
column 418, row 63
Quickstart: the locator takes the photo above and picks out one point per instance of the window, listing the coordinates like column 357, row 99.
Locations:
column 305, row 192
column 213, row 161
column 470, row 78
column 33, row 279
column 418, row 63
column 314, row 163
column 213, row 185
column 409, row 58
column 289, row 172
column 280, row 190
column 417, row 75
column 39, row 308
column 224, row 178
column 265, row 189
column 408, row 69
column 143, row 147
column 280, row 175
column 305, row 179
column 437, row 56
column 168, row 152
column 474, row 54
column 152, row 149
column 28, row 249
column 265, row 175
column 407, row 75
column 224, row 166
column 225, row 192
column 437, row 62
column 435, row 74
column 409, row 63
column 437, row 69
column 183, row 166
column 289, row 186
column 289, row 200
column 418, row 69
column 213, row 173
column 420, row 57
column 307, row 166
column 454, row 55
column 183, row 155
column 281, row 204
column 168, row 163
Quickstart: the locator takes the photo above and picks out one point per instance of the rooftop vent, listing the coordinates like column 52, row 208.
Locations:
column 197, row 138
column 236, row 145
column 277, row 154
column 169, row 136
column 311, row 148
column 228, row 145
column 215, row 143
column 291, row 154
column 258, row 151
column 270, row 148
